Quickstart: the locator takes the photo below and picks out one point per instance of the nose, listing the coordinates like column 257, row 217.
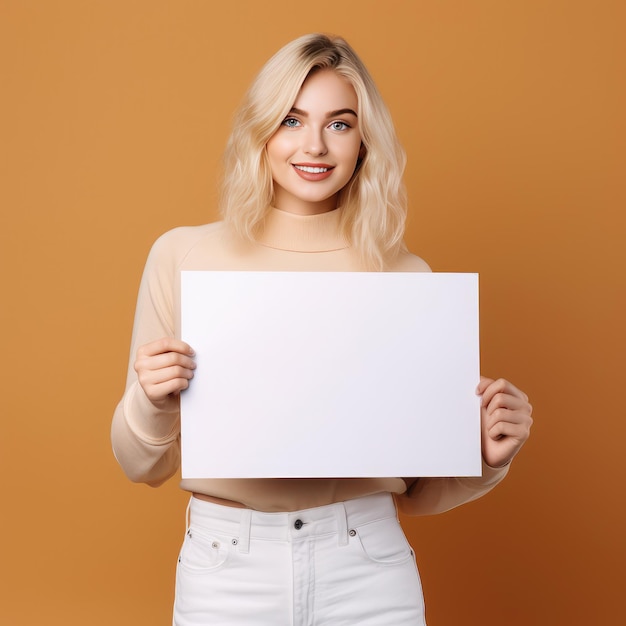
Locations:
column 314, row 142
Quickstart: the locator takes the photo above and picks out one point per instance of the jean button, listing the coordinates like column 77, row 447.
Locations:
column 298, row 524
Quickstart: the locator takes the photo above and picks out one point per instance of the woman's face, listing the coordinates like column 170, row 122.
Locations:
column 314, row 153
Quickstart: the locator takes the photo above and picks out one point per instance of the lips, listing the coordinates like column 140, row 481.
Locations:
column 313, row 171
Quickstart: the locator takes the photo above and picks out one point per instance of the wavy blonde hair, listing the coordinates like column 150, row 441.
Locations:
column 373, row 201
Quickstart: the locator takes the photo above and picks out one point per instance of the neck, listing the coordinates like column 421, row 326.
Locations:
column 284, row 230
column 299, row 206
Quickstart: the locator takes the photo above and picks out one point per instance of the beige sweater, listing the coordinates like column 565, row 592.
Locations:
column 146, row 440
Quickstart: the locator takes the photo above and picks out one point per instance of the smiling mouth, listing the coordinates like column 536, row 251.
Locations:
column 312, row 170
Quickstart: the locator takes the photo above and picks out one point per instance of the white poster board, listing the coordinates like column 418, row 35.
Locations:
column 331, row 374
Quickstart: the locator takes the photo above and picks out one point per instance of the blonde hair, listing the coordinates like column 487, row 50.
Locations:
column 373, row 201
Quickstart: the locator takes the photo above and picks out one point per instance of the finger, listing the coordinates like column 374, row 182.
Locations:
column 168, row 388
column 164, row 374
column 501, row 385
column 500, row 451
column 516, row 431
column 483, row 384
column 506, row 416
column 162, row 361
column 164, row 345
column 507, row 401
column 159, row 384
column 166, row 359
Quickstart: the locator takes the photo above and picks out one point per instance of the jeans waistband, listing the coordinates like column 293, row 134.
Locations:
column 246, row 524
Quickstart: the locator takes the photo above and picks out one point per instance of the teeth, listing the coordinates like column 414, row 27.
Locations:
column 311, row 170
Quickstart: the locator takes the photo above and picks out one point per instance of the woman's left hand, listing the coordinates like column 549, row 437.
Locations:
column 505, row 420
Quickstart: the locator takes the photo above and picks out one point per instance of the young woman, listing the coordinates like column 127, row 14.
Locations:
column 313, row 182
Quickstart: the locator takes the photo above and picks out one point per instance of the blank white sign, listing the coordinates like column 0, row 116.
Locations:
column 331, row 374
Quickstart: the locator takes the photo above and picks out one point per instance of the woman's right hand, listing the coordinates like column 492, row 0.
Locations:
column 164, row 368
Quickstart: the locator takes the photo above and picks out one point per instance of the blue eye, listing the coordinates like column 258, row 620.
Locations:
column 291, row 122
column 339, row 126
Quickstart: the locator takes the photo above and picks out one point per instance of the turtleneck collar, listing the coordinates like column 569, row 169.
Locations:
column 302, row 233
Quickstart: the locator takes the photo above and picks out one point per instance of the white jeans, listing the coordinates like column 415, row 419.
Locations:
column 337, row 565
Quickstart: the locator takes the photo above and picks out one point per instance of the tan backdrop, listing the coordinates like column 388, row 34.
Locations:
column 114, row 114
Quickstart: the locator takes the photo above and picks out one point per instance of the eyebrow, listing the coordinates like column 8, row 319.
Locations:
column 328, row 115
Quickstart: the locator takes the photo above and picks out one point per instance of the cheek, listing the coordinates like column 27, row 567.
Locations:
column 278, row 148
column 354, row 150
column 352, row 156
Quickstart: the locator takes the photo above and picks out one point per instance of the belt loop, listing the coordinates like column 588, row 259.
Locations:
column 244, row 530
column 342, row 524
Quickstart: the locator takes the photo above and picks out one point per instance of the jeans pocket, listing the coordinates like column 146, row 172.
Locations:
column 203, row 552
column 384, row 542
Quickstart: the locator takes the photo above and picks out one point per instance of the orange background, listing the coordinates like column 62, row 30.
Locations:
column 113, row 118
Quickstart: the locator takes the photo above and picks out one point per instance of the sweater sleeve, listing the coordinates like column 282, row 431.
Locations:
column 146, row 438
column 427, row 496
